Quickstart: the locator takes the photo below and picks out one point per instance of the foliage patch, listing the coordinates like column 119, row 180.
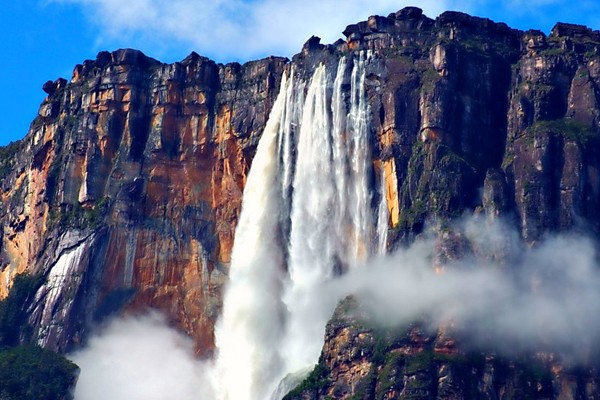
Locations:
column 32, row 373
column 567, row 128
column 28, row 372
column 7, row 157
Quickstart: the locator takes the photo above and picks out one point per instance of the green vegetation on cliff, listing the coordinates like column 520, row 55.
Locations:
column 79, row 216
column 14, row 328
column 28, row 372
column 314, row 382
column 568, row 128
column 7, row 157
column 32, row 373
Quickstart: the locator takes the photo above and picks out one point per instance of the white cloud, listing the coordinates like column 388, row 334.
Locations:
column 234, row 29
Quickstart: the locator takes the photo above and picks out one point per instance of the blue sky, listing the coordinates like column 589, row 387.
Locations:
column 44, row 39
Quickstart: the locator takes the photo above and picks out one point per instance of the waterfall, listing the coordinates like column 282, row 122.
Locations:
column 306, row 217
column 360, row 162
column 287, row 134
column 249, row 331
column 312, row 249
column 340, row 155
column 383, row 215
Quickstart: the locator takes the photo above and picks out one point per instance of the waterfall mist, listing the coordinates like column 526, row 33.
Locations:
column 540, row 299
column 140, row 358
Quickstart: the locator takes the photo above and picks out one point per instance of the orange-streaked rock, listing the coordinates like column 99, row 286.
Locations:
column 153, row 158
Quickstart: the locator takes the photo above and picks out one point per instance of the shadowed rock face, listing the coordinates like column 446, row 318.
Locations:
column 143, row 163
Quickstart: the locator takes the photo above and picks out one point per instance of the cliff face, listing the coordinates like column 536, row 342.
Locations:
column 462, row 103
column 126, row 191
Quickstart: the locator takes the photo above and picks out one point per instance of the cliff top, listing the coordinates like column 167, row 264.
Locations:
column 406, row 20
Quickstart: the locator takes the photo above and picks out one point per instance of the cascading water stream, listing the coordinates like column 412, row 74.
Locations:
column 306, row 216
column 287, row 135
column 312, row 250
column 360, row 163
column 383, row 216
column 249, row 331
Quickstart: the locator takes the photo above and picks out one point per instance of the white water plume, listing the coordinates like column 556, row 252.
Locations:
column 359, row 162
column 306, row 216
column 312, row 251
column 287, row 136
column 340, row 153
column 249, row 331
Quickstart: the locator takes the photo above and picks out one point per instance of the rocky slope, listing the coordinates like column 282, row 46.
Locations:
column 360, row 361
column 126, row 191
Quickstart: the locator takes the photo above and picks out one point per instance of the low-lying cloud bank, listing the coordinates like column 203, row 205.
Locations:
column 502, row 294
